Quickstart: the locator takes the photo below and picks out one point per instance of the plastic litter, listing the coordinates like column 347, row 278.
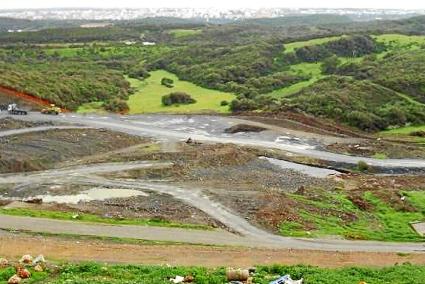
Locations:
column 23, row 273
column 26, row 259
column 237, row 274
column 3, row 262
column 15, row 279
column 39, row 259
column 286, row 280
column 177, row 279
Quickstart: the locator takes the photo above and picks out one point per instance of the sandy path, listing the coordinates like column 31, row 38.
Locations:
column 14, row 246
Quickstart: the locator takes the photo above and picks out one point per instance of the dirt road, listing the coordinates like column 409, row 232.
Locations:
column 13, row 246
column 210, row 129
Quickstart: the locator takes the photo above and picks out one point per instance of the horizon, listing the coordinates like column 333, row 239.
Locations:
column 208, row 4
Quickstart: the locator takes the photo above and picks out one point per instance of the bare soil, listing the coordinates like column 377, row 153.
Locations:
column 44, row 150
column 13, row 246
column 370, row 147
column 10, row 123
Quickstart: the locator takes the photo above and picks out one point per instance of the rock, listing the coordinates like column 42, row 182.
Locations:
column 189, row 279
column 15, row 279
column 26, row 259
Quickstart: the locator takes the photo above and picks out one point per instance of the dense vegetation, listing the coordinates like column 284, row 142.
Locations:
column 362, row 104
column 260, row 61
column 67, row 84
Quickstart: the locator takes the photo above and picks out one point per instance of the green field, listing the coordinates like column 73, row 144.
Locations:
column 149, row 92
column 312, row 69
column 95, row 273
column 401, row 41
column 184, row 32
column 290, row 47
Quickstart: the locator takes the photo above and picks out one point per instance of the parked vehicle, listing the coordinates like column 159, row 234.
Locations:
column 14, row 110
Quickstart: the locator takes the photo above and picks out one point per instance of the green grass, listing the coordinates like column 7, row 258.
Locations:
column 401, row 41
column 94, row 107
column 59, row 215
column 383, row 223
column 149, row 92
column 36, row 277
column 290, row 47
column 312, row 69
column 95, row 273
column 64, row 51
column 178, row 33
column 403, row 133
column 380, row 156
column 404, row 130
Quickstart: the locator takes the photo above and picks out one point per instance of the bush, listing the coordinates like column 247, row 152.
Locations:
column 224, row 103
column 116, row 105
column 243, row 105
column 177, row 98
column 167, row 82
column 363, row 166
column 138, row 73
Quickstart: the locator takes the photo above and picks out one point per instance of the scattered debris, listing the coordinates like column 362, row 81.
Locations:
column 26, row 259
column 177, row 279
column 15, row 279
column 286, row 280
column 237, row 274
column 23, row 273
column 189, row 279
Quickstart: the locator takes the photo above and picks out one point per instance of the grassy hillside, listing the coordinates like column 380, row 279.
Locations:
column 67, row 84
column 361, row 104
column 335, row 214
column 404, row 72
column 290, row 47
column 149, row 92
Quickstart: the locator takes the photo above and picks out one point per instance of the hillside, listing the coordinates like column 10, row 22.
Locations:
column 361, row 104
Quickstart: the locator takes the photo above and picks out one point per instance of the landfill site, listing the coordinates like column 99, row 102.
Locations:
column 189, row 190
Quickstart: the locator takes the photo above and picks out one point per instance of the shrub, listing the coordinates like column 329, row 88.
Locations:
column 363, row 166
column 138, row 73
column 167, row 82
column 243, row 105
column 224, row 103
column 177, row 98
column 116, row 105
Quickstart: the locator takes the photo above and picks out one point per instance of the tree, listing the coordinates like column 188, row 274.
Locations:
column 177, row 98
column 330, row 65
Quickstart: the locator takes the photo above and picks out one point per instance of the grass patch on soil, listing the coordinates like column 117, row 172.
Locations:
column 333, row 214
column 177, row 33
column 149, row 92
column 311, row 69
column 404, row 133
column 290, row 47
column 91, row 218
column 111, row 274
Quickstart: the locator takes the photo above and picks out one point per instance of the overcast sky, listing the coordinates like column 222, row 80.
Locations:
column 389, row 4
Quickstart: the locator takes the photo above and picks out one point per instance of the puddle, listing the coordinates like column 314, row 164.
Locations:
column 91, row 195
column 308, row 170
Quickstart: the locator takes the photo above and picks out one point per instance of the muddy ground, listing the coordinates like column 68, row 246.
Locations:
column 10, row 123
column 43, row 150
column 380, row 149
